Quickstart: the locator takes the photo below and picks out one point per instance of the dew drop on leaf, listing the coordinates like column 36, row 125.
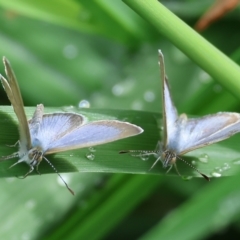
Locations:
column 90, row 156
column 144, row 157
column 203, row 158
column 236, row 161
column 84, row 104
column 216, row 174
column 149, row 96
column 92, row 149
column 226, row 166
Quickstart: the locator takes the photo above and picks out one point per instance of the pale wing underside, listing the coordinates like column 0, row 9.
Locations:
column 62, row 132
column 53, row 127
column 35, row 122
column 169, row 111
column 13, row 92
column 170, row 116
column 199, row 132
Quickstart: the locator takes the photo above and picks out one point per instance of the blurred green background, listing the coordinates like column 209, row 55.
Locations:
column 103, row 55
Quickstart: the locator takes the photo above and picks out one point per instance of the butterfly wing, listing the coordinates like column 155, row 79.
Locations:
column 200, row 132
column 183, row 135
column 170, row 114
column 14, row 95
column 66, row 131
column 51, row 127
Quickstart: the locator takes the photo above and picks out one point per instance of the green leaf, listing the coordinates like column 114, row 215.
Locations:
column 210, row 209
column 106, row 158
column 120, row 190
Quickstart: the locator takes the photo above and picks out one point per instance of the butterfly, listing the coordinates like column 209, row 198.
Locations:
column 182, row 134
column 57, row 132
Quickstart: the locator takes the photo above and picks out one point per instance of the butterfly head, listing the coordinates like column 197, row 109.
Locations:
column 168, row 158
column 35, row 156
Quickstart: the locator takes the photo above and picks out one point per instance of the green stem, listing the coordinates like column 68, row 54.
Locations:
column 218, row 65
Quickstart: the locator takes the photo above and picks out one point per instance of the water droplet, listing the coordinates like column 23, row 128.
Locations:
column 137, row 105
column 117, row 90
column 144, row 157
column 90, row 156
column 236, row 162
column 70, row 51
column 193, row 162
column 226, row 166
column 68, row 108
column 187, row 178
column 30, row 204
column 71, row 155
column 84, row 104
column 203, row 158
column 149, row 96
column 216, row 174
column 92, row 149
column 218, row 169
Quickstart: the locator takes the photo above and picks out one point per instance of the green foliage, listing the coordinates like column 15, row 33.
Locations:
column 64, row 52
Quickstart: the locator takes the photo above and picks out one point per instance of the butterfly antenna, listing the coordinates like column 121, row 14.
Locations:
column 142, row 154
column 55, row 170
column 145, row 152
column 190, row 165
column 130, row 151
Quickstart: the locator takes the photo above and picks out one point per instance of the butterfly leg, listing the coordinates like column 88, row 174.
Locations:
column 30, row 170
column 170, row 167
column 158, row 159
column 36, row 169
column 14, row 145
column 9, row 157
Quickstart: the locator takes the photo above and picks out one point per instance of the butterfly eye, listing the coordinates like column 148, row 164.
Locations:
column 168, row 158
column 172, row 160
column 35, row 155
